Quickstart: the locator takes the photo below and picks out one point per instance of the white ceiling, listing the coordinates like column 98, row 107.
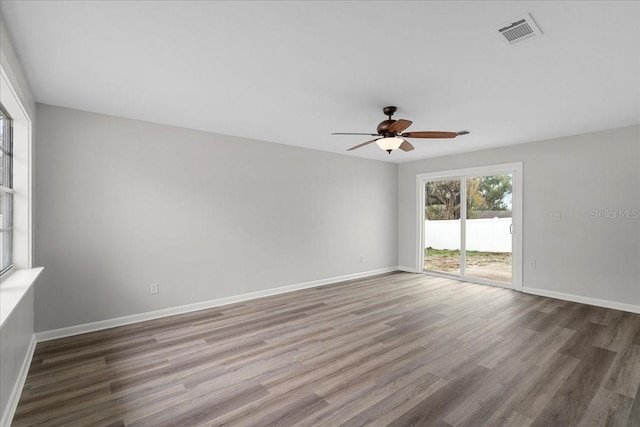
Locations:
column 293, row 72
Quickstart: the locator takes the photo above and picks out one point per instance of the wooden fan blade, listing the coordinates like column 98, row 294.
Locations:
column 405, row 146
column 363, row 144
column 399, row 125
column 354, row 133
column 430, row 134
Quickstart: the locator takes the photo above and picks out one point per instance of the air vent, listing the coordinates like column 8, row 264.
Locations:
column 520, row 29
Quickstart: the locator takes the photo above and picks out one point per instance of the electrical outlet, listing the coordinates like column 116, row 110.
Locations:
column 154, row 289
column 532, row 265
column 555, row 216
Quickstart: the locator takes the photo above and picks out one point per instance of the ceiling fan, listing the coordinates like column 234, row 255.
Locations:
column 390, row 136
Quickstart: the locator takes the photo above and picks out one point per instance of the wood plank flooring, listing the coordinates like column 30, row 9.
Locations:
column 400, row 349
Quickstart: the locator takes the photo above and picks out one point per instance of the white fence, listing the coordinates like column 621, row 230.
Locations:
column 487, row 235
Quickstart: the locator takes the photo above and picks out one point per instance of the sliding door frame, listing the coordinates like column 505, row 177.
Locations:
column 516, row 250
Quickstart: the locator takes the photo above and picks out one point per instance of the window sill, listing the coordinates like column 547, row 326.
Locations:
column 13, row 288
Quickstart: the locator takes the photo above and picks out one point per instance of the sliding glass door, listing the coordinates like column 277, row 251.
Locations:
column 442, row 229
column 488, row 228
column 468, row 224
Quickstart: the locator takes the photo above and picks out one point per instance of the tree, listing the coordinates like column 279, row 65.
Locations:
column 496, row 192
column 442, row 198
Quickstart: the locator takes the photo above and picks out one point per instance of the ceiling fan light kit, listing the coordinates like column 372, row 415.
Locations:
column 389, row 144
column 389, row 136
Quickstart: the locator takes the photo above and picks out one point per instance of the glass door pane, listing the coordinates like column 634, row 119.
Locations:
column 489, row 227
column 442, row 226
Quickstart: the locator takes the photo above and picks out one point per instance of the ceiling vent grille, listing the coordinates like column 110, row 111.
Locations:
column 520, row 29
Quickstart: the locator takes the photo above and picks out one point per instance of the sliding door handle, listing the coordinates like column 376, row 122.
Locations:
column 511, row 228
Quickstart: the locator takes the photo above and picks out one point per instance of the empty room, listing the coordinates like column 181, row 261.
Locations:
column 319, row 213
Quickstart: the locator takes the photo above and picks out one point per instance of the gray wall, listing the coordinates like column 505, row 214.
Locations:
column 124, row 203
column 580, row 255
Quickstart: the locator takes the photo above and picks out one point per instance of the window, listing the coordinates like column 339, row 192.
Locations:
column 455, row 239
column 6, row 191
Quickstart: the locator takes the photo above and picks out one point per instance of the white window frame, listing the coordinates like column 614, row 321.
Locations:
column 7, row 190
column 22, row 252
column 513, row 168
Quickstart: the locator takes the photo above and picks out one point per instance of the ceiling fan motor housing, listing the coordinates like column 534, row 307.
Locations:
column 383, row 128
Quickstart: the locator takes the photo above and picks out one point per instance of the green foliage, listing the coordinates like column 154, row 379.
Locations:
column 445, row 195
column 441, row 252
column 436, row 212
column 456, row 253
column 483, row 193
column 494, row 190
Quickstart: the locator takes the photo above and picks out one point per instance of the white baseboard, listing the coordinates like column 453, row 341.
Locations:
column 584, row 300
column 14, row 398
column 408, row 269
column 127, row 320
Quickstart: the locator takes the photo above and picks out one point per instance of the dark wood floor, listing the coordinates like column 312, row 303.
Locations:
column 401, row 349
